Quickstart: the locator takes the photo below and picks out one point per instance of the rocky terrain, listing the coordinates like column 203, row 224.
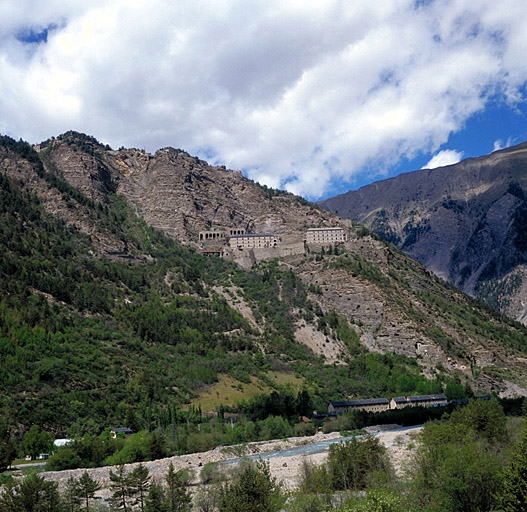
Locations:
column 465, row 222
column 178, row 193
column 391, row 303
column 285, row 468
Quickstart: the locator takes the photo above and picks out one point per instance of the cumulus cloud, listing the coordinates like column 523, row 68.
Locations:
column 445, row 157
column 499, row 144
column 296, row 94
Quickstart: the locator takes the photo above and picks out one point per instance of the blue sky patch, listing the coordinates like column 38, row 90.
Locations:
column 35, row 35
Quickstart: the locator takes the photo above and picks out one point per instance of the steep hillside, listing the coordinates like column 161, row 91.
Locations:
column 104, row 317
column 178, row 193
column 465, row 222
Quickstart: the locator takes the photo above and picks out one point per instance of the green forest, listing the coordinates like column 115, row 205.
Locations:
column 92, row 340
column 472, row 460
column 89, row 342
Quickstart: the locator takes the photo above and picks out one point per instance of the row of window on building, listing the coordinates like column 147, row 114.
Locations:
column 383, row 404
column 239, row 239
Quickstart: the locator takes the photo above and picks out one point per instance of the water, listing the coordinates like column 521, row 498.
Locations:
column 307, row 449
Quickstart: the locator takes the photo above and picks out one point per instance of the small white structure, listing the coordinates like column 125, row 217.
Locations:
column 59, row 443
column 324, row 236
column 252, row 241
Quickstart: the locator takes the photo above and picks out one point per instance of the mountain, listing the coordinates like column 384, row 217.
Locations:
column 466, row 222
column 110, row 311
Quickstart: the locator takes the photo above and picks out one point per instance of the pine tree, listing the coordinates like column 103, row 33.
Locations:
column 139, row 481
column 120, row 485
column 156, row 500
column 178, row 498
column 70, row 496
column 86, row 489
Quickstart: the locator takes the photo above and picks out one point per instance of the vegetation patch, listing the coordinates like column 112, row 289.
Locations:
column 228, row 391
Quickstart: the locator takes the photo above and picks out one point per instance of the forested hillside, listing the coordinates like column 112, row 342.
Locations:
column 105, row 320
column 88, row 339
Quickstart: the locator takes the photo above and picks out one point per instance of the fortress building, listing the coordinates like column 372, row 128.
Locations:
column 252, row 241
column 325, row 236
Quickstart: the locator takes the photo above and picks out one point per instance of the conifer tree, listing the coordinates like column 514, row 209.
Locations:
column 139, row 480
column 120, row 486
column 86, row 489
column 178, row 497
column 156, row 500
column 70, row 496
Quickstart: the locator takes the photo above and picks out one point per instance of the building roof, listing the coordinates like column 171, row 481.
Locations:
column 419, row 398
column 124, row 430
column 251, row 235
column 325, row 229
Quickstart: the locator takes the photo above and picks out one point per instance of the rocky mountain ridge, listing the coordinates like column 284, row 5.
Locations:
column 362, row 293
column 466, row 222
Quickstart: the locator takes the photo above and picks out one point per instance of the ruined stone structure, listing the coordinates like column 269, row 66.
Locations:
column 255, row 241
column 219, row 234
column 323, row 236
column 212, row 235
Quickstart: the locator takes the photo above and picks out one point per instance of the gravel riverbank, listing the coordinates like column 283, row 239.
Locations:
column 286, row 467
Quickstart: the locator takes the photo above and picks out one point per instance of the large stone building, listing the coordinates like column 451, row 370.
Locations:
column 382, row 404
column 252, row 241
column 369, row 405
column 325, row 236
column 401, row 402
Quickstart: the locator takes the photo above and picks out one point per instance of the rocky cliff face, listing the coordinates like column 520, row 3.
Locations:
column 392, row 303
column 178, row 193
column 465, row 222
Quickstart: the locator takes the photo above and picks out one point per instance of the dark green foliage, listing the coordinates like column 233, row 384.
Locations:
column 120, row 486
column 177, row 497
column 251, row 490
column 352, row 463
column 70, row 496
column 513, row 492
column 156, row 501
column 7, row 445
column 86, row 487
column 139, row 482
column 33, row 494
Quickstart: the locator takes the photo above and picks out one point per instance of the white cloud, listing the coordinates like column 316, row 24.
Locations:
column 443, row 158
column 297, row 93
column 499, row 144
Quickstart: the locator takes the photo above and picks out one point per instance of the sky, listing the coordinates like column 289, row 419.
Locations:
column 317, row 97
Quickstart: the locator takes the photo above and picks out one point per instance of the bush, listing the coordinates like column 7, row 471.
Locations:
column 65, row 458
column 352, row 464
column 376, row 500
column 252, row 489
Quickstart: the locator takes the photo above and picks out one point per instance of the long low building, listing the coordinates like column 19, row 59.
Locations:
column 322, row 236
column 250, row 241
column 383, row 404
column 401, row 402
column 368, row 404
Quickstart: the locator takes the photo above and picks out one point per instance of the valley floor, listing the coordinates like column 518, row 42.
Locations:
column 285, row 457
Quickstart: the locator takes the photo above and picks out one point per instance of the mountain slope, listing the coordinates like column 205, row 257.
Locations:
column 465, row 222
column 103, row 316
